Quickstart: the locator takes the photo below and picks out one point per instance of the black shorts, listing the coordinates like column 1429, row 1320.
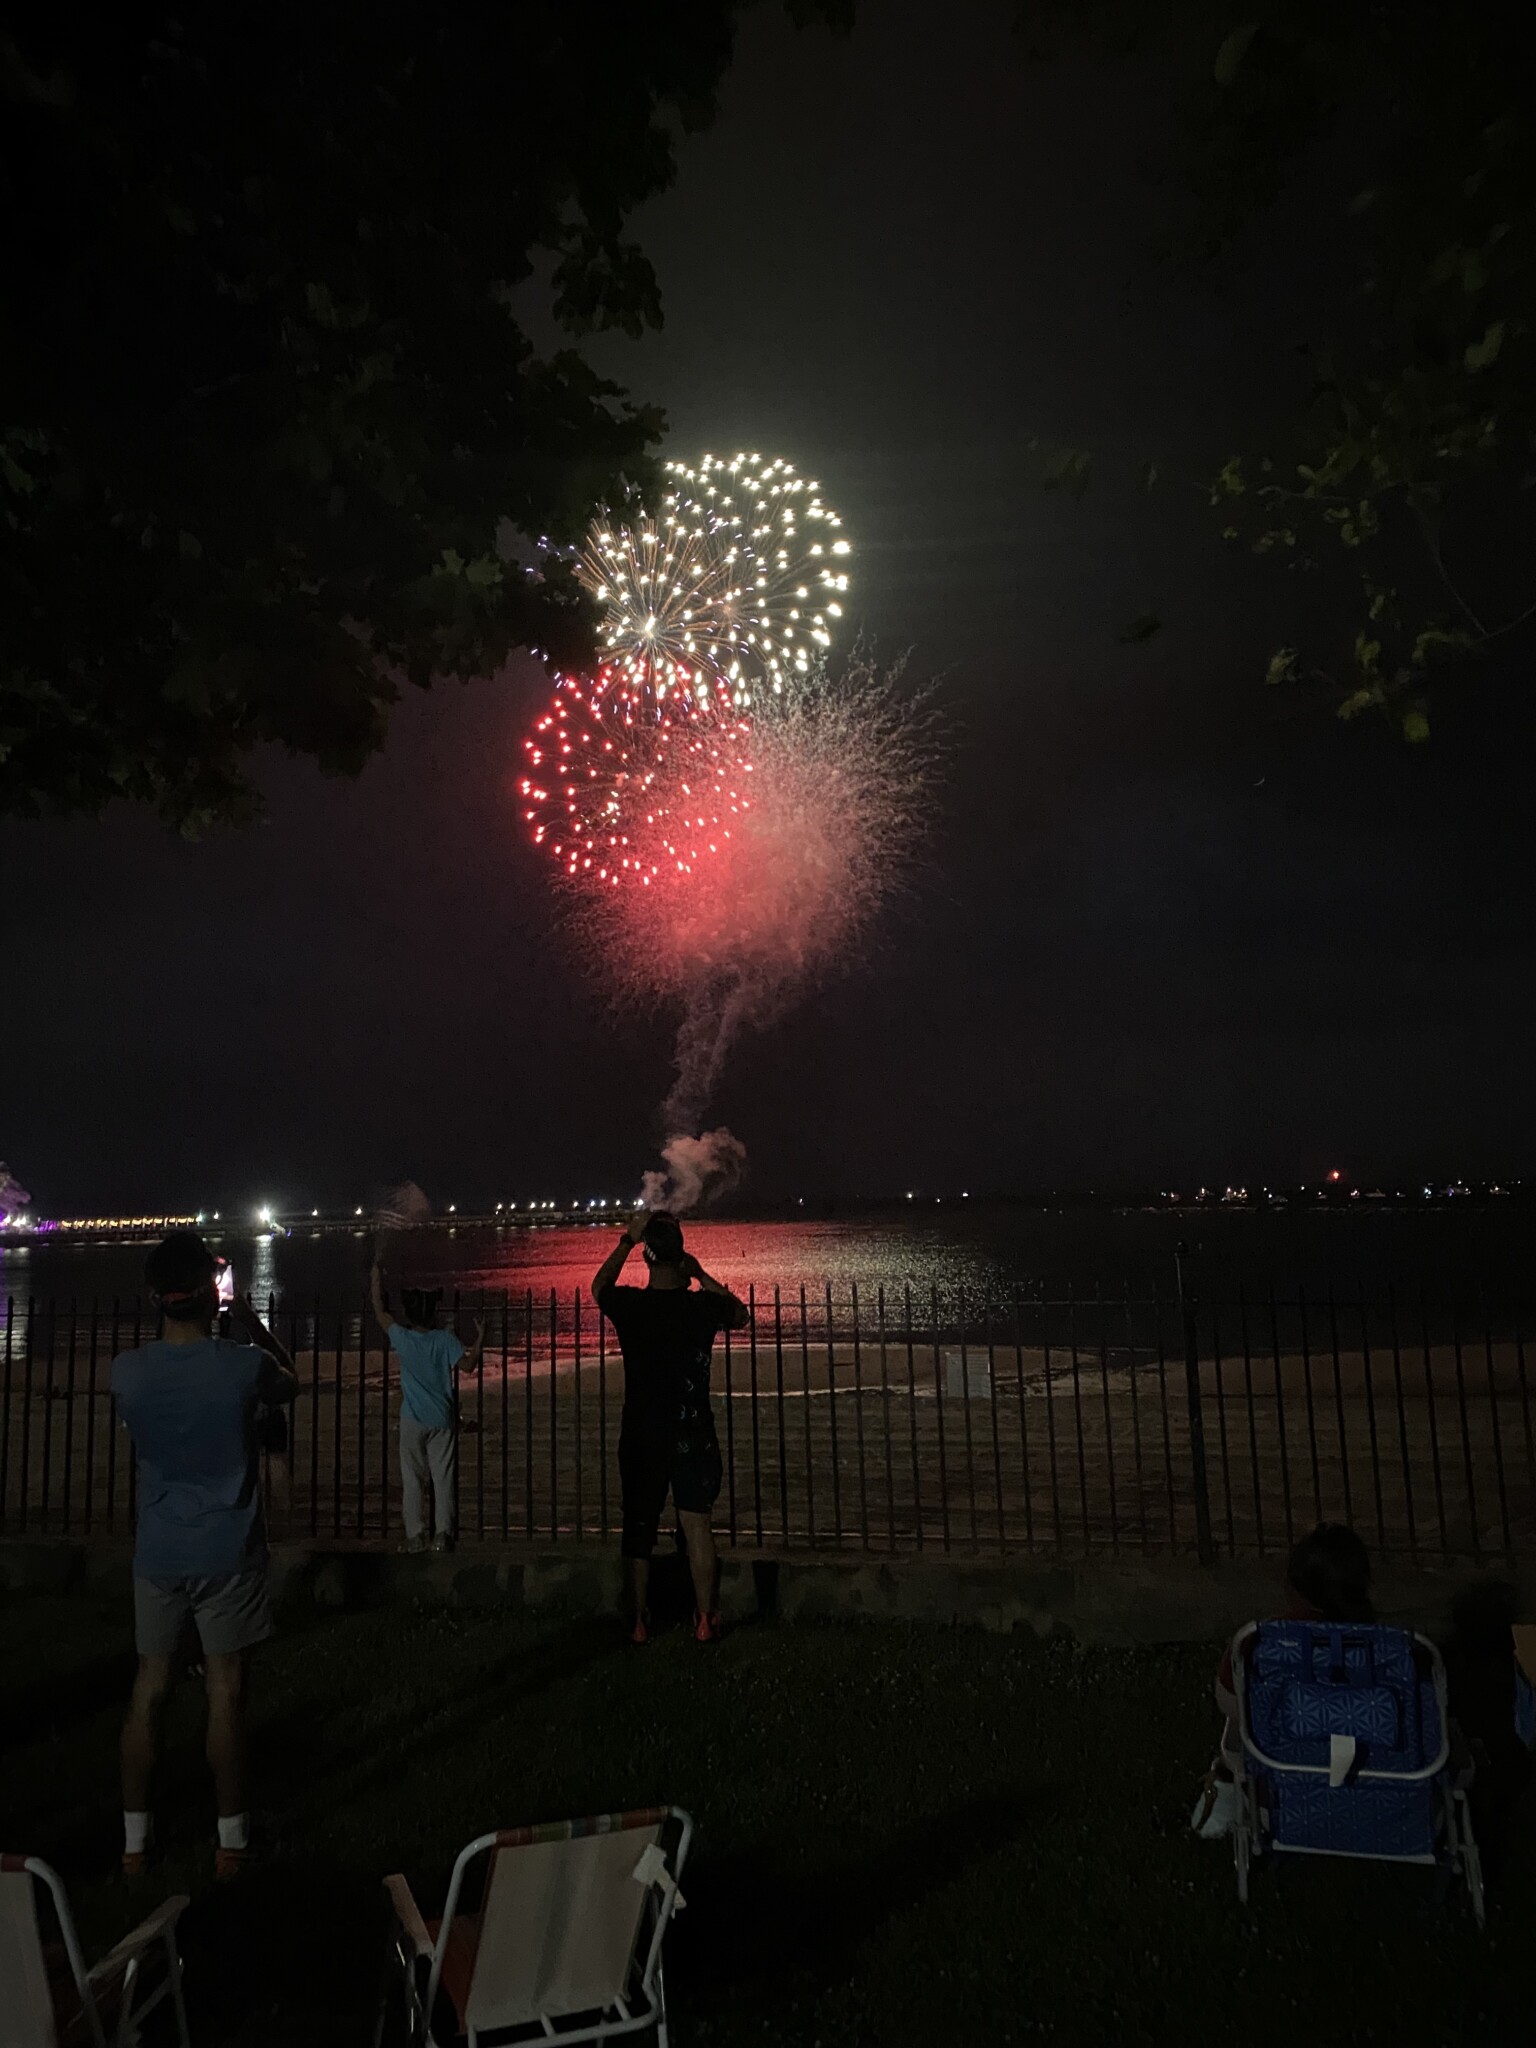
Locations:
column 650, row 1467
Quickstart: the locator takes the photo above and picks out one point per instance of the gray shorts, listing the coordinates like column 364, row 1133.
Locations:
column 232, row 1611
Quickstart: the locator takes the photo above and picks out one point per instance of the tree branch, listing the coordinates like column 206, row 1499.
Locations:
column 1509, row 625
column 1432, row 542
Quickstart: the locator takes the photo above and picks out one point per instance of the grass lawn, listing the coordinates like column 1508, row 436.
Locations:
column 924, row 1836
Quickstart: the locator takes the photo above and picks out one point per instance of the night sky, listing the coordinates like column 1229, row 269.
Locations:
column 1174, row 927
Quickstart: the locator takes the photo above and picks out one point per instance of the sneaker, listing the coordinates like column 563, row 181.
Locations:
column 706, row 1628
column 440, row 1543
column 413, row 1546
column 641, row 1632
column 229, row 1864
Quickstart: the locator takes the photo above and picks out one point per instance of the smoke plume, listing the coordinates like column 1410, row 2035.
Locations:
column 403, row 1208
column 697, row 1170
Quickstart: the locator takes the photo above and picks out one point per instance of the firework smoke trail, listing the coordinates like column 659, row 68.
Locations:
column 697, row 1170
column 837, row 803
column 709, row 1029
column 402, row 1208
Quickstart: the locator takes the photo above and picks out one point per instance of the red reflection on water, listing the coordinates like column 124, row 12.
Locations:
column 744, row 1255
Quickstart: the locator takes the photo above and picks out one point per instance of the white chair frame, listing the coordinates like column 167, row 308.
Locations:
column 120, row 1966
column 412, row 1945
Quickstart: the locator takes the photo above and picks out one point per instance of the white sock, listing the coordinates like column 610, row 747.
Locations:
column 135, row 1833
column 234, row 1831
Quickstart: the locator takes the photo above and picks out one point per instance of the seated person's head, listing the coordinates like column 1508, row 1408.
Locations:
column 420, row 1306
column 180, row 1273
column 663, row 1242
column 1331, row 1570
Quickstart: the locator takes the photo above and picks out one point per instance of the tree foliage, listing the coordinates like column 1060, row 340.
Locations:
column 1407, row 475
column 275, row 436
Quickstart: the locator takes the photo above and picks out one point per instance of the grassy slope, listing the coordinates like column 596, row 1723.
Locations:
column 901, row 1836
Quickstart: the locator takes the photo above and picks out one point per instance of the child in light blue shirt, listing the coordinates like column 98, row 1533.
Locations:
column 429, row 1432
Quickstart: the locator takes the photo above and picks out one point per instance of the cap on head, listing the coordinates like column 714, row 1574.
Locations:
column 664, row 1239
column 420, row 1305
column 179, row 1271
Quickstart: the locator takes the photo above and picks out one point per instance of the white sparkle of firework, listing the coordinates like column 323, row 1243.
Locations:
column 725, row 594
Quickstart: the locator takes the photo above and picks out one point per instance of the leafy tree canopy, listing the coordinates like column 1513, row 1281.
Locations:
column 271, row 425
column 1407, row 475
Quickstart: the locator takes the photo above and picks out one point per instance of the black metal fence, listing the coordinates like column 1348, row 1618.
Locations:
column 894, row 1421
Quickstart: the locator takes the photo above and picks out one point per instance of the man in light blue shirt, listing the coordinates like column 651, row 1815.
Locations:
column 429, row 1417
column 190, row 1403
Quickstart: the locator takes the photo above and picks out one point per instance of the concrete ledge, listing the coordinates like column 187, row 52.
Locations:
column 1105, row 1602
column 1108, row 1601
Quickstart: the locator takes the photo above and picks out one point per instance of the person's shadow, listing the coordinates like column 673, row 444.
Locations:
column 325, row 1775
column 755, row 1916
column 64, row 1698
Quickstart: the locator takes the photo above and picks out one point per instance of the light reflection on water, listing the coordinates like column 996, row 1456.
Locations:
column 260, row 1282
column 758, row 1255
column 982, row 1250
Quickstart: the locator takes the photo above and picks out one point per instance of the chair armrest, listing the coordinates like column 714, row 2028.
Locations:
column 408, row 1915
column 154, row 1927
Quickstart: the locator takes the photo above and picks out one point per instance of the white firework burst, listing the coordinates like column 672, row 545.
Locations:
column 724, row 595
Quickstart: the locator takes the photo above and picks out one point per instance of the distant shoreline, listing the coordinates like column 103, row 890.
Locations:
column 510, row 1216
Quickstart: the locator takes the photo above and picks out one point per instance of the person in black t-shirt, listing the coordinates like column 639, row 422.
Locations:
column 667, row 1441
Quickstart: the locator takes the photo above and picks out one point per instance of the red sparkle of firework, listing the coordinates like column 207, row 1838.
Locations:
column 621, row 793
column 823, row 823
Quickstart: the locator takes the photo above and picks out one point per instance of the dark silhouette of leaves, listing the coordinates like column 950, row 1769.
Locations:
column 275, row 438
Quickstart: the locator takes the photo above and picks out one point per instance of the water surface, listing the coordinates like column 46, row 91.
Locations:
column 981, row 1249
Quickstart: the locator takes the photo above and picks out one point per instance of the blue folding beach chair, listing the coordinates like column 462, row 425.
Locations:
column 1342, row 1748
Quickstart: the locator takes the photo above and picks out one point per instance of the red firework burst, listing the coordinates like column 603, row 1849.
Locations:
column 618, row 793
column 822, row 826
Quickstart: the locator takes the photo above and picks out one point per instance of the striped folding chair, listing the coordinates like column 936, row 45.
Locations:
column 49, row 1999
column 565, row 1941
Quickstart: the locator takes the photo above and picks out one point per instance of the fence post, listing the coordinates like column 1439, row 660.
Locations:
column 1187, row 1310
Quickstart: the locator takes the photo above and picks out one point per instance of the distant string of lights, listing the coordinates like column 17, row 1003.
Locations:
column 1333, row 1189
column 267, row 1218
column 64, row 1225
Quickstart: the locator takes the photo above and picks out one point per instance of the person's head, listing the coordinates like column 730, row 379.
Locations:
column 181, row 1274
column 420, row 1306
column 1331, row 1570
column 663, row 1246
